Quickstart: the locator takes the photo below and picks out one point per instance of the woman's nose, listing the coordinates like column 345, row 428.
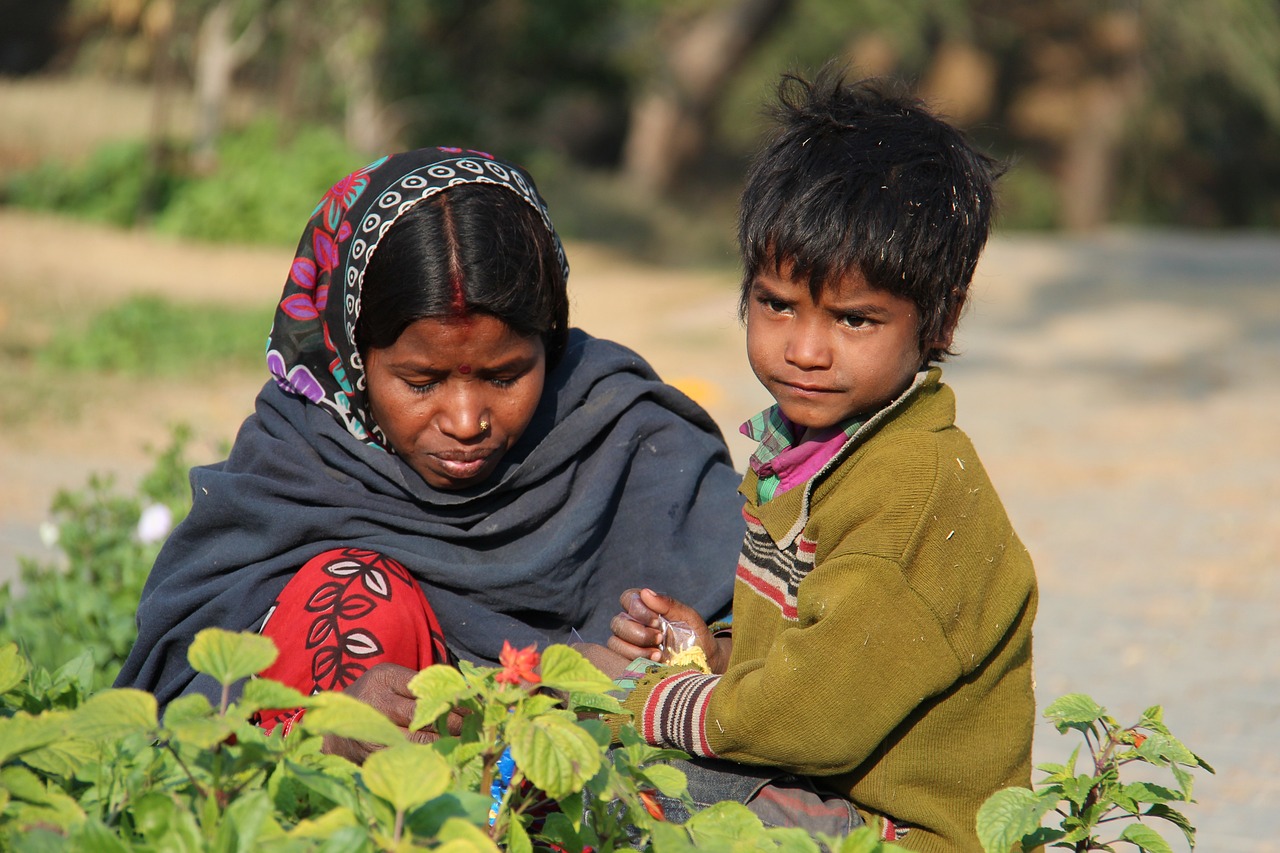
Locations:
column 465, row 417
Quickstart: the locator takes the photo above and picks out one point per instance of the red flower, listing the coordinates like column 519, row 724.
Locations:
column 651, row 805
column 518, row 665
column 1138, row 739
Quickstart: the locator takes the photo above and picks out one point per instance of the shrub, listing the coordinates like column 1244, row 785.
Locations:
column 85, row 602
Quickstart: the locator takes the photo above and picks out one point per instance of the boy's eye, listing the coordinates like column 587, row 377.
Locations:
column 855, row 321
column 775, row 305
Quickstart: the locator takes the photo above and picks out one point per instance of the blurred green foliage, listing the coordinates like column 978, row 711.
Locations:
column 146, row 335
column 87, row 597
column 266, row 186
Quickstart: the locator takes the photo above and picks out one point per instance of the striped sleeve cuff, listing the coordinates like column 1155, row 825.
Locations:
column 675, row 712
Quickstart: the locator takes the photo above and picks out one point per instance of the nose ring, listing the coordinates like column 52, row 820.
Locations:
column 484, row 426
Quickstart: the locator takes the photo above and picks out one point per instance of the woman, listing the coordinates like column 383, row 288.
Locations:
column 439, row 464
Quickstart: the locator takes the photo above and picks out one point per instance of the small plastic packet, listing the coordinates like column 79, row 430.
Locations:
column 680, row 647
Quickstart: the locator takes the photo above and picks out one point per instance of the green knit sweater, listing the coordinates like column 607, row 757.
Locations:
column 881, row 633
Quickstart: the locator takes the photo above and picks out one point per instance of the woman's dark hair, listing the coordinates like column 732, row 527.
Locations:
column 472, row 248
column 858, row 177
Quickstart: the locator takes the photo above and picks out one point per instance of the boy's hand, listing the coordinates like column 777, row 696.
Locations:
column 637, row 630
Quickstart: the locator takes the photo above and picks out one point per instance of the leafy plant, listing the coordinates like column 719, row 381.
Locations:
column 103, row 771
column 146, row 335
column 1097, row 810
column 85, row 602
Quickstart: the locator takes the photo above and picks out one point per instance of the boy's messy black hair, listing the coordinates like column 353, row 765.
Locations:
column 858, row 177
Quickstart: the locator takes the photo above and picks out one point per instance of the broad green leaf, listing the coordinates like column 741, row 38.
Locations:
column 23, row 733
column 1074, row 711
column 200, row 732
column 1077, row 788
column 166, row 824
column 261, row 694
column 517, row 838
column 326, row 825
column 438, row 689
column 229, row 656
column 1175, row 817
column 35, row 802
column 341, row 715
column 460, row 836
column 185, row 709
column 564, row 668
column 1010, row 815
column 64, row 757
column 600, row 703
column 248, row 819
column 1146, row 838
column 406, row 775
column 554, row 753
column 330, row 785
column 666, row 779
column 722, row 823
column 13, row 667
column 1149, row 792
column 112, row 714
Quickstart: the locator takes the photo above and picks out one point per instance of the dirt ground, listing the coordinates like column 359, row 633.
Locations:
column 1120, row 387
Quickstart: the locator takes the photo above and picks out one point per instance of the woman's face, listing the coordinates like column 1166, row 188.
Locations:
column 453, row 395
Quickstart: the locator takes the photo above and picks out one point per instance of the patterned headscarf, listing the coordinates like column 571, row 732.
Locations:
column 312, row 348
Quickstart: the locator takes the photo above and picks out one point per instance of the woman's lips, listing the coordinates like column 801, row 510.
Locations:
column 461, row 465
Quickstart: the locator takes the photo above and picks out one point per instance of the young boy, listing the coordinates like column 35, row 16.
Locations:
column 881, row 632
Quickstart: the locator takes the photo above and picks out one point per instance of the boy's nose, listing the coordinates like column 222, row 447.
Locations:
column 808, row 351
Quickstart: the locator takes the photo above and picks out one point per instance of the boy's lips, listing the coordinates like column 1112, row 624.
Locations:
column 806, row 388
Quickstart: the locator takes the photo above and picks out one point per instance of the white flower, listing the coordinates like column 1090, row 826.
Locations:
column 48, row 533
column 155, row 523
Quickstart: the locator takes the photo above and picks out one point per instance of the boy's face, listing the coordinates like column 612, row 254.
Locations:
column 849, row 353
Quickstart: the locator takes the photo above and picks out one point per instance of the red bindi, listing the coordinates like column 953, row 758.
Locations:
column 464, row 368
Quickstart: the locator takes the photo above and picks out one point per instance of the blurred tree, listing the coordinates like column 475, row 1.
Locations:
column 703, row 45
column 229, row 34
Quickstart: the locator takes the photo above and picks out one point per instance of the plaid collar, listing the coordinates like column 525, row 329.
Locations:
column 776, row 435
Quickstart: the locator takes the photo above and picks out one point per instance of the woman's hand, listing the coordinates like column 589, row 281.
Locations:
column 638, row 630
column 609, row 662
column 385, row 687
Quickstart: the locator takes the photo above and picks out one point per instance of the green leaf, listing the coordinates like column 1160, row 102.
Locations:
column 517, row 838
column 13, row 667
column 564, row 668
column 1175, row 817
column 261, row 694
column 459, row 836
column 330, row 783
column 597, row 703
column 438, row 688
column 229, row 656
column 555, row 754
column 341, row 715
column 406, row 775
column 1149, row 792
column 64, row 757
column 862, row 840
column 1010, row 815
column 1145, row 838
column 667, row 779
column 1074, row 711
column 722, row 823
column 23, row 733
column 248, row 818
column 112, row 714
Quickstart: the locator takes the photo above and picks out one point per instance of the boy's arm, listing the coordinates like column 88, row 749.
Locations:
column 865, row 654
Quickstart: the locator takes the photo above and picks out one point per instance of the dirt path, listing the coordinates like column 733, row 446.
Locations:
column 1121, row 390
